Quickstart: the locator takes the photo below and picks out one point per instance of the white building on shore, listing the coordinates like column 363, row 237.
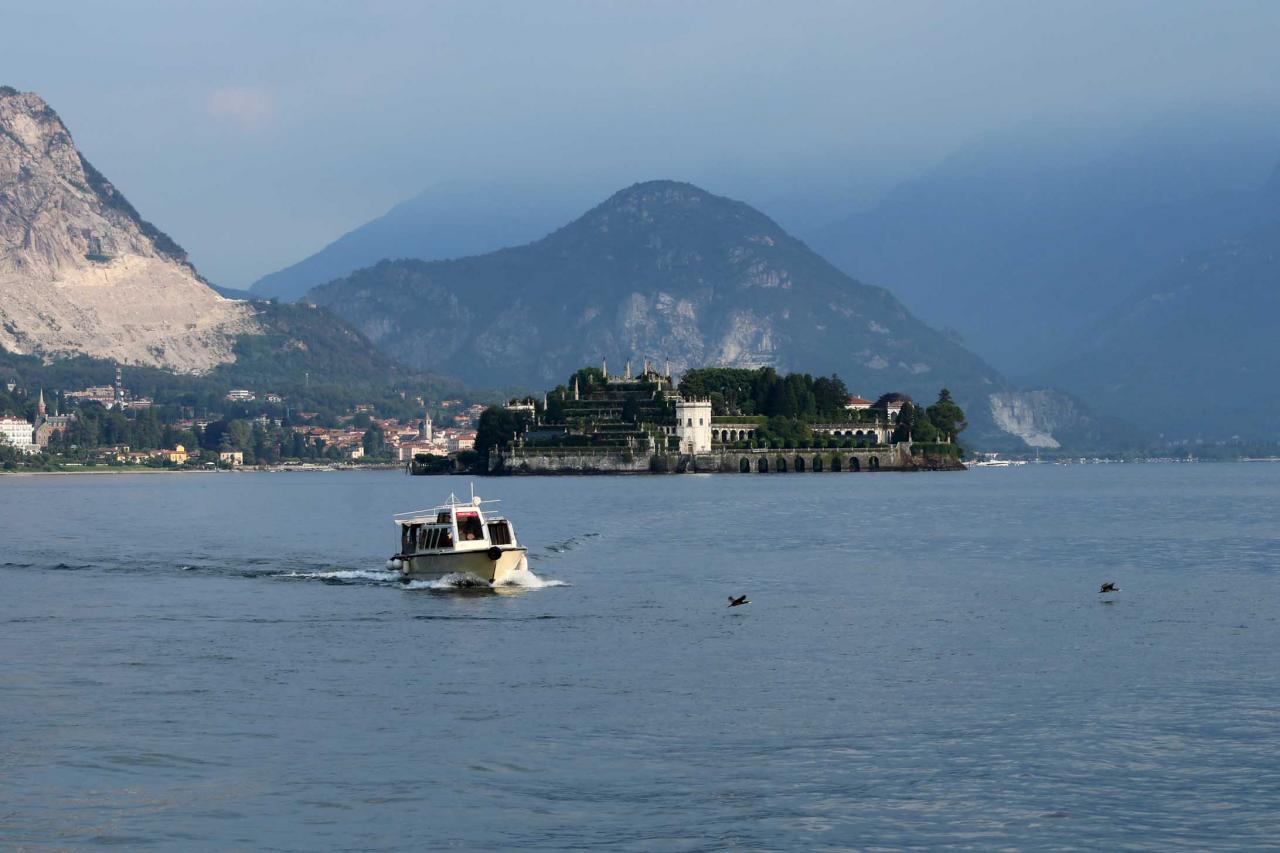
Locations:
column 18, row 433
column 693, row 425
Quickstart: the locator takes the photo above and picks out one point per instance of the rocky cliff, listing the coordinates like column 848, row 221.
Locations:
column 1046, row 419
column 82, row 273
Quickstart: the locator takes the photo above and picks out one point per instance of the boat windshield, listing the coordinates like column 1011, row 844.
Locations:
column 499, row 532
column 469, row 528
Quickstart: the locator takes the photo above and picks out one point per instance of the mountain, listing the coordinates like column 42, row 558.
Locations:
column 302, row 352
column 447, row 221
column 1022, row 241
column 86, row 283
column 82, row 273
column 667, row 271
column 1194, row 353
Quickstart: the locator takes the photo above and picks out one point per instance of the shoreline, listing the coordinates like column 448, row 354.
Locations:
column 276, row 469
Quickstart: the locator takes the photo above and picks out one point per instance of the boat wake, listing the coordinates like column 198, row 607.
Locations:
column 454, row 581
column 463, row 581
column 345, row 576
column 556, row 548
column 529, row 580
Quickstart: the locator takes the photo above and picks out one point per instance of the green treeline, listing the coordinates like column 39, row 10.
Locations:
column 792, row 403
column 740, row 391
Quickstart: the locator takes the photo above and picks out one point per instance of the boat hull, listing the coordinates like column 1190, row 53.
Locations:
column 475, row 563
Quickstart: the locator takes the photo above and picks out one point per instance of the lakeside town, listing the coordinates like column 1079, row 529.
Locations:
column 110, row 425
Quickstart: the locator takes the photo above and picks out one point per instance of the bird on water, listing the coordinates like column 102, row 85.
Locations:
column 1109, row 586
column 735, row 602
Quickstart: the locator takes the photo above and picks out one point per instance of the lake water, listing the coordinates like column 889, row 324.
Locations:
column 218, row 662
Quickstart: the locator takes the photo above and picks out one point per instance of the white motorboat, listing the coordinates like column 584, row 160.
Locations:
column 993, row 460
column 458, row 537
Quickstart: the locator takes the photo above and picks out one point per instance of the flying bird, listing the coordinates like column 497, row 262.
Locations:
column 1109, row 586
column 734, row 602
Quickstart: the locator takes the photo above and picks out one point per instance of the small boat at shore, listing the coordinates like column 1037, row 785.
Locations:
column 993, row 460
column 458, row 537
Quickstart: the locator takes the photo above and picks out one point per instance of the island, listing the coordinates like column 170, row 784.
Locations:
column 718, row 420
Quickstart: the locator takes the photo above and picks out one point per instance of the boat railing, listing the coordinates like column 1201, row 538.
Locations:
column 435, row 510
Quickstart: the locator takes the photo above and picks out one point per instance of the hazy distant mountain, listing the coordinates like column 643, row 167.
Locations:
column 446, row 221
column 662, row 270
column 1021, row 242
column 1195, row 353
column 81, row 272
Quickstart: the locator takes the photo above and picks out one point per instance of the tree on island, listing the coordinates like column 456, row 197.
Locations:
column 940, row 422
column 914, row 424
column 554, row 413
column 497, row 426
column 762, row 391
column 830, row 395
column 586, row 376
column 946, row 415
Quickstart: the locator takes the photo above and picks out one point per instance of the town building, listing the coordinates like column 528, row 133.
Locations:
column 178, row 456
column 406, row 452
column 103, row 395
column 17, row 432
column 114, row 453
column 234, row 458
column 46, row 424
column 458, row 441
column 113, row 396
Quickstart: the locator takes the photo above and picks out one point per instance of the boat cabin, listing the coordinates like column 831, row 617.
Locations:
column 455, row 526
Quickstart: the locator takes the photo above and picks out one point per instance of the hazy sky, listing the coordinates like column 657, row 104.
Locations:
column 257, row 132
